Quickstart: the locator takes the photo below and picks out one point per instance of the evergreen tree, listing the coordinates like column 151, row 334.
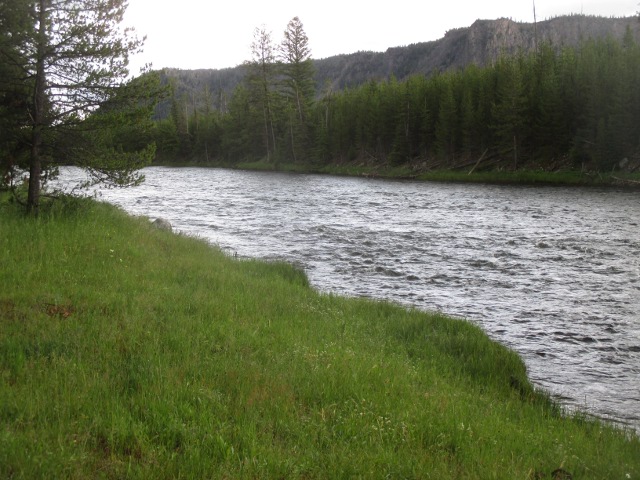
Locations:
column 14, row 90
column 261, row 79
column 468, row 111
column 322, row 143
column 180, row 118
column 624, row 100
column 13, row 120
column 239, row 126
column 599, row 90
column 208, row 129
column 446, row 128
column 414, row 100
column 401, row 109
column 75, row 65
column 165, row 137
column 509, row 111
column 580, row 103
column 298, row 85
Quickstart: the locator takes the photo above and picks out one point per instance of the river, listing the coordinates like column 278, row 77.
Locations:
column 551, row 272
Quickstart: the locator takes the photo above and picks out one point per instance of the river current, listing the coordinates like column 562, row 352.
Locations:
column 551, row 272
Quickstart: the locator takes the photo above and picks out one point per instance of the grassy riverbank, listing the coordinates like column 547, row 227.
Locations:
column 126, row 351
column 505, row 177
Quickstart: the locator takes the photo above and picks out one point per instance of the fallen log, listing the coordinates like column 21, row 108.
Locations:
column 478, row 162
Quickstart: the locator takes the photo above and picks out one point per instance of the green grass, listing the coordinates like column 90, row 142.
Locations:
column 528, row 177
column 532, row 177
column 515, row 177
column 129, row 352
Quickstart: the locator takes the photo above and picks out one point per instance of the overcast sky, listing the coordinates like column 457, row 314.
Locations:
column 191, row 34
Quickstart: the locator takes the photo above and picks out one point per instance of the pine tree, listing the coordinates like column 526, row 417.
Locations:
column 76, row 59
column 239, row 126
column 180, row 118
column 446, row 127
column 14, row 92
column 299, row 88
column 261, row 79
column 509, row 112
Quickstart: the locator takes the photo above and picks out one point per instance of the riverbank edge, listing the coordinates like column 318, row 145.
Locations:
column 525, row 177
column 54, row 319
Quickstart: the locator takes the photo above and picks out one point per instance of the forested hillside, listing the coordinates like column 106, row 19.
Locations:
column 552, row 107
column 479, row 44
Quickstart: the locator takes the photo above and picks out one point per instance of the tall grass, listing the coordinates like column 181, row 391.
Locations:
column 517, row 177
column 531, row 177
column 130, row 352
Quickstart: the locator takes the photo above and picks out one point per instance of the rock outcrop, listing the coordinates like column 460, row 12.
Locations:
column 163, row 224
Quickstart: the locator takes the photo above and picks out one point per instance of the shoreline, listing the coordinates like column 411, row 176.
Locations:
column 564, row 178
column 132, row 351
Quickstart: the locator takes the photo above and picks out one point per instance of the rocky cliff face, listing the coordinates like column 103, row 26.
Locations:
column 479, row 44
column 485, row 40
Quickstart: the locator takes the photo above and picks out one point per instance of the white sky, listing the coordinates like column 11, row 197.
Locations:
column 192, row 34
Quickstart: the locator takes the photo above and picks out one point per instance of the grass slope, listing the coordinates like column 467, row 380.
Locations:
column 127, row 351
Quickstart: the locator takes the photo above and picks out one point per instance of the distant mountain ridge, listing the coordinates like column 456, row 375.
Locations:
column 480, row 44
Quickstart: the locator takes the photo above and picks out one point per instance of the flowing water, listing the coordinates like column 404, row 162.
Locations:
column 552, row 272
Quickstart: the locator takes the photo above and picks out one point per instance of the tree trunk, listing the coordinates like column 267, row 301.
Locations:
column 293, row 142
column 39, row 99
column 35, row 171
column 266, row 131
column 273, row 133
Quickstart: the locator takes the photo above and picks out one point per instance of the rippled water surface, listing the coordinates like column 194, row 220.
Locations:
column 554, row 273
